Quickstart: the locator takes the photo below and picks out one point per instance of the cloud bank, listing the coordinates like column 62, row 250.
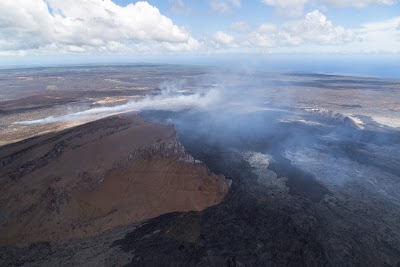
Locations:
column 88, row 26
column 101, row 27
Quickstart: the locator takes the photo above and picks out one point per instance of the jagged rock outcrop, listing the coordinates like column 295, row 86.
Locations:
column 86, row 180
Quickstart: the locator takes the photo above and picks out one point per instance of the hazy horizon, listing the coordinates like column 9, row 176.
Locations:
column 359, row 65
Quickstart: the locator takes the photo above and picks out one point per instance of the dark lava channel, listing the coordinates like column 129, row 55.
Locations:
column 259, row 226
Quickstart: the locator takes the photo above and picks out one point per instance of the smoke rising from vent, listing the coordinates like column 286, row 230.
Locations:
column 168, row 100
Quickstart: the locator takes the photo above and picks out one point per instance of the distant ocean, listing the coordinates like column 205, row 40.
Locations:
column 386, row 66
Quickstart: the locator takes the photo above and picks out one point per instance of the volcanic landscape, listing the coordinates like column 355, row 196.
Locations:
column 172, row 165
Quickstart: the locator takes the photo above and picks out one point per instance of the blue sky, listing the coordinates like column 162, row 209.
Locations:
column 156, row 28
column 255, row 12
column 202, row 19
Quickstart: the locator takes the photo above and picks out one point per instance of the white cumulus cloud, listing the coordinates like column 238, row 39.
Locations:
column 88, row 25
column 379, row 36
column 359, row 3
column 236, row 3
column 222, row 38
column 290, row 8
column 315, row 28
column 179, row 6
column 266, row 35
column 240, row 26
column 223, row 6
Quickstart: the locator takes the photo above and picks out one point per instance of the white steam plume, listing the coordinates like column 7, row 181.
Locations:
column 165, row 101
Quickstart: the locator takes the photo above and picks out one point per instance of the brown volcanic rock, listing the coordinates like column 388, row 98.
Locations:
column 94, row 177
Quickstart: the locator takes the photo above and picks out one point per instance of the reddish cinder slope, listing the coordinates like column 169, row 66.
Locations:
column 91, row 178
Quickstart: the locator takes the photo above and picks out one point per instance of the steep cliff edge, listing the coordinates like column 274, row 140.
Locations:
column 94, row 177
